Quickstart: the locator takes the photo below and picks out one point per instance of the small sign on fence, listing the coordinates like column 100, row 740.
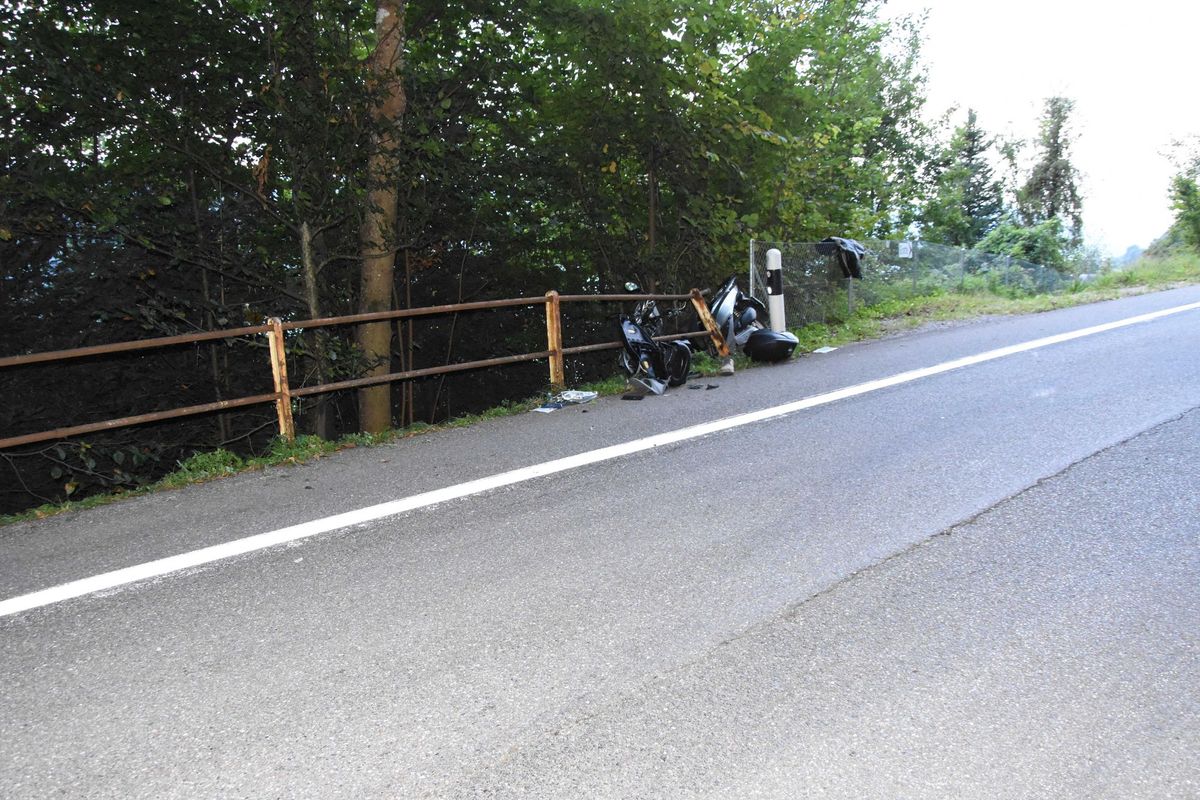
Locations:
column 904, row 250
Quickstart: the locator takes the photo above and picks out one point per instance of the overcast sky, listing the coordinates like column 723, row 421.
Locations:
column 1130, row 67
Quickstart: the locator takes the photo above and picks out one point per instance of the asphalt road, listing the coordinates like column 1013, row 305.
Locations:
column 979, row 584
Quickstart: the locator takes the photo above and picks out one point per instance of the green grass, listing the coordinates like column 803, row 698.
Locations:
column 614, row 384
column 888, row 316
column 1155, row 273
column 868, row 322
column 211, row 465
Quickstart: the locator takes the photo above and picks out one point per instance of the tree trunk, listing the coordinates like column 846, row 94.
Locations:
column 312, row 299
column 378, row 232
column 410, row 391
column 652, row 271
column 210, row 319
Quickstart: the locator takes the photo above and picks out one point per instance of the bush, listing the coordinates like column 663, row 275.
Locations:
column 1039, row 244
column 212, row 464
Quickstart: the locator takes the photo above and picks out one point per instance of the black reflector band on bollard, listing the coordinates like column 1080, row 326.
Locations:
column 774, row 281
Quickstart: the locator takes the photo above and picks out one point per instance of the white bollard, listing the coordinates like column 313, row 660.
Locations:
column 775, row 289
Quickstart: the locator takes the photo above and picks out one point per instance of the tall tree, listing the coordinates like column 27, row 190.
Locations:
column 1052, row 189
column 378, row 234
column 1185, row 193
column 968, row 202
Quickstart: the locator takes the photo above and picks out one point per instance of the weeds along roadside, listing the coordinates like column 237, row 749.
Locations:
column 898, row 314
column 868, row 322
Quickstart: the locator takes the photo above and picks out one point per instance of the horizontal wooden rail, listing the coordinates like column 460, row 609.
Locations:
column 374, row 380
column 592, row 348
column 402, row 313
column 283, row 394
column 140, row 419
column 622, row 298
column 123, row 347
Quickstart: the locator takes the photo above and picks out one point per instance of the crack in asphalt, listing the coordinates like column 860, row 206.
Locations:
column 790, row 611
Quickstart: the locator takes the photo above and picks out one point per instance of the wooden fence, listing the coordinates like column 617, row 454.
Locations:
column 555, row 353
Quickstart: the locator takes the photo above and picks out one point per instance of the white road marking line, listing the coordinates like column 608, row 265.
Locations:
column 207, row 555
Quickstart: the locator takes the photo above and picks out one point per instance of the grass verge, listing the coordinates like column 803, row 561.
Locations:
column 211, row 465
column 897, row 314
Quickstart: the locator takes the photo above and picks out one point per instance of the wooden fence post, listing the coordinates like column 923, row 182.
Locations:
column 283, row 393
column 554, row 340
column 710, row 324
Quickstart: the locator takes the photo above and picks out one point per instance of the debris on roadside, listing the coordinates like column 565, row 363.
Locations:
column 570, row 397
column 575, row 396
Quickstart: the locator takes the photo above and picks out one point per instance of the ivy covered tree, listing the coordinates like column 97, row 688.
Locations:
column 1052, row 189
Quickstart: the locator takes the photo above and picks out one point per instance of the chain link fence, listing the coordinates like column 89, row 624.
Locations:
column 814, row 289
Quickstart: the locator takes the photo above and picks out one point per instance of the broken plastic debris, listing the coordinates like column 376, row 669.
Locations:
column 568, row 398
column 825, row 349
column 573, row 396
column 648, row 385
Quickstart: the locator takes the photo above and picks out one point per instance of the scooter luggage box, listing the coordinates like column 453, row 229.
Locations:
column 768, row 345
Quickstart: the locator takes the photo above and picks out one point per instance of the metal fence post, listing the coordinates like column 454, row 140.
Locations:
column 283, row 394
column 554, row 339
column 751, row 290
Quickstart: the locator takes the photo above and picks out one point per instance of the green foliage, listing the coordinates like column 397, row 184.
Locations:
column 1052, row 190
column 1154, row 273
column 614, row 384
column 172, row 166
column 205, row 466
column 1184, row 194
column 506, row 409
column 968, row 199
column 1041, row 244
column 1185, row 200
column 705, row 364
column 980, row 296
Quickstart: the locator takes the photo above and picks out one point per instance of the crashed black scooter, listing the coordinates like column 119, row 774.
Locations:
column 739, row 318
column 652, row 366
